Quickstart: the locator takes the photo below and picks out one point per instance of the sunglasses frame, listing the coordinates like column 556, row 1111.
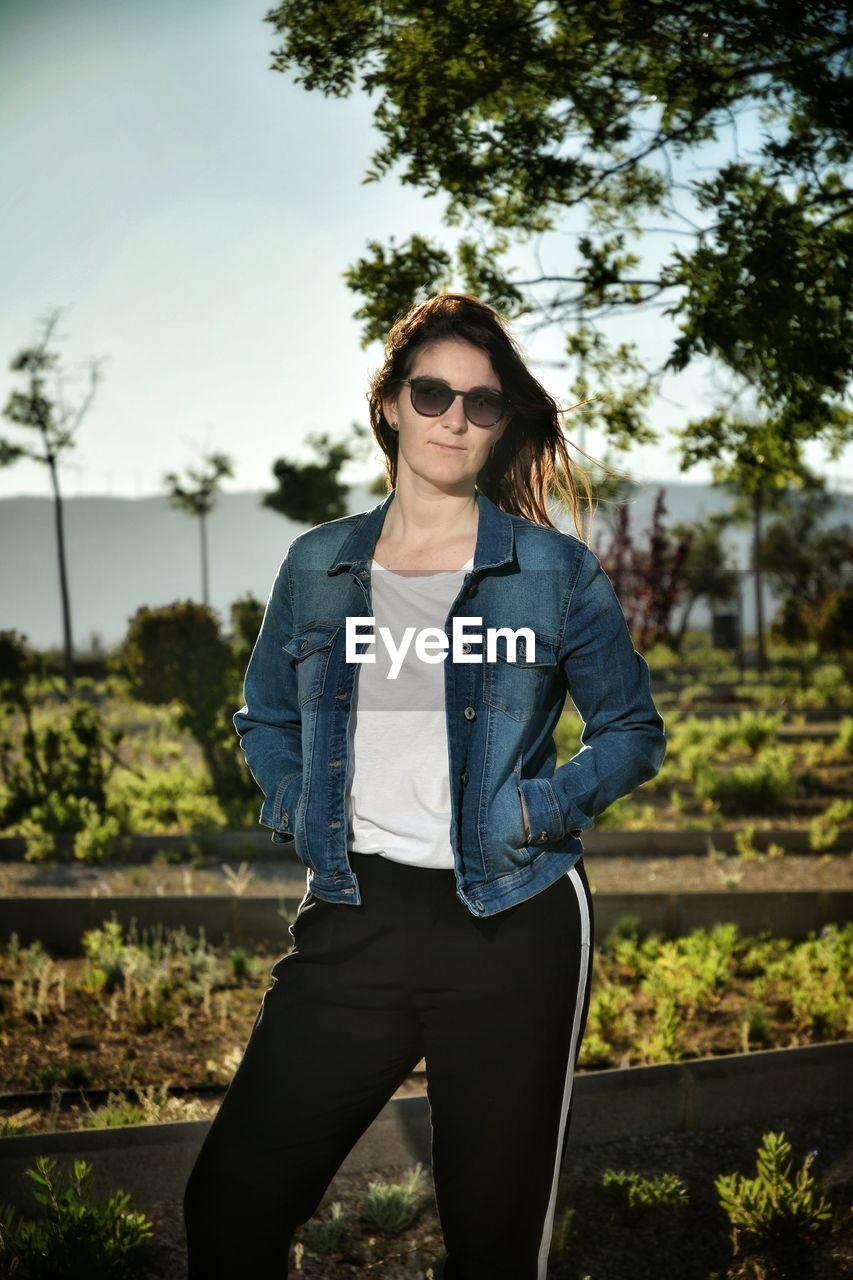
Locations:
column 411, row 383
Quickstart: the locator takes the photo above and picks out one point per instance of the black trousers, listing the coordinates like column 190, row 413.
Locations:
column 495, row 1005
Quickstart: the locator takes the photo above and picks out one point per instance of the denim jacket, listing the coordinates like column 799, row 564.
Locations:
column 501, row 714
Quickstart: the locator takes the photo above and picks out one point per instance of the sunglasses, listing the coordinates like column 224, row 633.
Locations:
column 431, row 397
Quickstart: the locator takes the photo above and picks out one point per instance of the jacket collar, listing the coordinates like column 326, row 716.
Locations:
column 494, row 536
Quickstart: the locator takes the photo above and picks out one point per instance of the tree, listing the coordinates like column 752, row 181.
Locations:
column 756, row 462
column 705, row 573
column 312, row 492
column 649, row 580
column 178, row 653
column 56, row 421
column 197, row 498
column 531, row 116
column 800, row 554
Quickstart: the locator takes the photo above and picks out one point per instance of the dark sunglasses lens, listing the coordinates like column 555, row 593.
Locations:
column 483, row 409
column 431, row 398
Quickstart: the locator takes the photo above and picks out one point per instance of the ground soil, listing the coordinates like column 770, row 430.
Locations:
column 639, row 873
column 601, row 1240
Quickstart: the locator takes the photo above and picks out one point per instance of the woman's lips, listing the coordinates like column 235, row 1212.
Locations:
column 450, row 448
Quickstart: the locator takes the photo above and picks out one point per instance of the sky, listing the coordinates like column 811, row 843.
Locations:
column 192, row 212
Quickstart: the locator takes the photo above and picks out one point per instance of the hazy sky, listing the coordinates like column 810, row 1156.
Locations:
column 193, row 211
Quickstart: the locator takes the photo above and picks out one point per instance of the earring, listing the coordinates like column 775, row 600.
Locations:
column 492, row 452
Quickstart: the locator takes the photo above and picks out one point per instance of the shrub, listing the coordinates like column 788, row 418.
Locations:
column 772, row 1206
column 390, row 1207
column 756, row 788
column 325, row 1235
column 77, row 1238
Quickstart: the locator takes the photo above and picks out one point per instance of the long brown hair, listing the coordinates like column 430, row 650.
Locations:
column 530, row 461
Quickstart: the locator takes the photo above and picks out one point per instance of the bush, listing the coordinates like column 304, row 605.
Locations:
column 77, row 1238
column 756, row 788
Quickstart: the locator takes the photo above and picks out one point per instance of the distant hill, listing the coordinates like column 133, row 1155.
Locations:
column 126, row 552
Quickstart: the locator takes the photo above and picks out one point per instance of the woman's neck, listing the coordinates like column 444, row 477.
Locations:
column 419, row 531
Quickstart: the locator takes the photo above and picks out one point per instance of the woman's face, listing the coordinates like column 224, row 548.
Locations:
column 447, row 451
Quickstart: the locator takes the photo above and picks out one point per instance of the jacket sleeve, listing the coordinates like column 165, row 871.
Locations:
column 269, row 723
column 623, row 735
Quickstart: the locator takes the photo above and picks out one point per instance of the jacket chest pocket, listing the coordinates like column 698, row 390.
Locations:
column 309, row 653
column 516, row 687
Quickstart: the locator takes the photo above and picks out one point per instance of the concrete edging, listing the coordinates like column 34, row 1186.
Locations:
column 59, row 923
column 152, row 1162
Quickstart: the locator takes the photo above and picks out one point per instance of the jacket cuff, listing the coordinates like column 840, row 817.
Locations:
column 278, row 810
column 547, row 823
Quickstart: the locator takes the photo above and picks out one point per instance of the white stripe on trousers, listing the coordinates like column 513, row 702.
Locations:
column 548, row 1228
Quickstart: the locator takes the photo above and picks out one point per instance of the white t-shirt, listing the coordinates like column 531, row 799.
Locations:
column 398, row 783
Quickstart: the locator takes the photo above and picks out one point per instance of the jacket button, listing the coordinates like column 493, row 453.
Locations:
column 284, row 816
column 466, row 648
column 479, row 906
column 334, row 764
column 469, row 713
column 334, row 823
column 542, row 838
column 463, row 777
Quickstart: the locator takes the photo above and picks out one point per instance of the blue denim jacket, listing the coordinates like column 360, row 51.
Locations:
column 501, row 714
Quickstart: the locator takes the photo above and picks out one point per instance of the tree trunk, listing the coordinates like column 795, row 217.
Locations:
column 205, row 591
column 63, row 578
column 758, row 577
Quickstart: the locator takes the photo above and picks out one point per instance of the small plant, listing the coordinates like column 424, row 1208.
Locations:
column 77, row 1238
column 845, row 735
column 77, row 1074
column 755, row 1027
column 666, row 1189
column 241, row 965
column 824, row 828
column 390, row 1207
column 154, row 1105
column 664, row 1044
column 325, row 1235
column 240, row 879
column 773, row 1207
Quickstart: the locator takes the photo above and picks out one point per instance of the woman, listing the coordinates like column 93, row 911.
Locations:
column 447, row 914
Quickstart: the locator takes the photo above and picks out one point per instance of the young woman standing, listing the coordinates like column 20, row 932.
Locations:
column 400, row 704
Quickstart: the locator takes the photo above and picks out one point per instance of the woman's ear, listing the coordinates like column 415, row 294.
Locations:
column 389, row 408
